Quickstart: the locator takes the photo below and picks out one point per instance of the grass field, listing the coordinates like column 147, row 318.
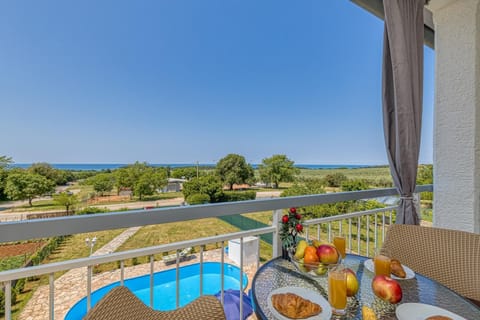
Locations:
column 356, row 173
column 178, row 231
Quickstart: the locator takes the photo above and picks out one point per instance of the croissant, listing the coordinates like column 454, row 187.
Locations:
column 438, row 318
column 397, row 269
column 294, row 307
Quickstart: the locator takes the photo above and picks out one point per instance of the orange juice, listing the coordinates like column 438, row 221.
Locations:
column 337, row 290
column 382, row 265
column 340, row 243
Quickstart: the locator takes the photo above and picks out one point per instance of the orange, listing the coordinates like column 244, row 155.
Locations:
column 310, row 257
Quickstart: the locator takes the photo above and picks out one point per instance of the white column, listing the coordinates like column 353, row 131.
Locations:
column 457, row 114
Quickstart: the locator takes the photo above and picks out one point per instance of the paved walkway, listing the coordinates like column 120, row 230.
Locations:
column 71, row 287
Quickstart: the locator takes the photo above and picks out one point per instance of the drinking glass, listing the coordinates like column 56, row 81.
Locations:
column 337, row 289
column 339, row 242
column 381, row 264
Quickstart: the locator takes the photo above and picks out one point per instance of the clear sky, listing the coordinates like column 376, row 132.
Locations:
column 186, row 80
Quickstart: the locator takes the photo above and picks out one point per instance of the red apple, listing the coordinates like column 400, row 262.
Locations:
column 352, row 283
column 387, row 289
column 327, row 254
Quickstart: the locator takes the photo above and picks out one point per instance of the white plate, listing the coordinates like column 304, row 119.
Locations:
column 410, row 274
column 305, row 293
column 420, row 311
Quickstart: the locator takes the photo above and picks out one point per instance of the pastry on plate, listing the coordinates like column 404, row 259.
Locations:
column 396, row 268
column 438, row 318
column 293, row 306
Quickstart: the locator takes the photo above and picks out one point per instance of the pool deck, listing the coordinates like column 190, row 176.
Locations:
column 71, row 287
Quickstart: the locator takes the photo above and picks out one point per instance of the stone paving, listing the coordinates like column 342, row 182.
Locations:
column 71, row 287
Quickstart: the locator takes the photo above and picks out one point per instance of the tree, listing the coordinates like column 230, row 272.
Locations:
column 425, row 174
column 68, row 200
column 150, row 181
column 209, row 185
column 278, row 168
column 102, row 182
column 22, row 185
column 4, row 162
column 234, row 169
column 127, row 177
column 44, row 169
column 184, row 173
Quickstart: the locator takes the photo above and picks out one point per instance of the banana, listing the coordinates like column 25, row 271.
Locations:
column 300, row 252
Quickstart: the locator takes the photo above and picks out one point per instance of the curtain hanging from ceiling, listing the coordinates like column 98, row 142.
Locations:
column 402, row 95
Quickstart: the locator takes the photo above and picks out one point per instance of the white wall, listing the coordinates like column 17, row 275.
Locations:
column 457, row 114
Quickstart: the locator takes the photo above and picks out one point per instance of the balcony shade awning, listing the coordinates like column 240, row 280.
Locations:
column 376, row 8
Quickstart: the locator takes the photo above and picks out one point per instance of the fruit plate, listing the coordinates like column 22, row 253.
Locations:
column 305, row 293
column 413, row 311
column 410, row 273
column 317, row 270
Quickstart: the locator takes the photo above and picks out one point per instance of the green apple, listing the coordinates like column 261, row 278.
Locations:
column 301, row 266
column 321, row 270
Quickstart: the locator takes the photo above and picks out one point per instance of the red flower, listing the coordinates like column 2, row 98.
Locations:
column 298, row 216
column 299, row 227
column 285, row 219
column 293, row 210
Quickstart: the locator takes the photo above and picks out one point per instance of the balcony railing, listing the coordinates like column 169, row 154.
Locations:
column 367, row 228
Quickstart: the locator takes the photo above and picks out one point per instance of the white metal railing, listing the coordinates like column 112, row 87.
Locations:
column 42, row 228
column 359, row 218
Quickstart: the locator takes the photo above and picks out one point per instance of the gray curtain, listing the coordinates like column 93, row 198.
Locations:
column 402, row 98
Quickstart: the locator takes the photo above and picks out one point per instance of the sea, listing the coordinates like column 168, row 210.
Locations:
column 112, row 166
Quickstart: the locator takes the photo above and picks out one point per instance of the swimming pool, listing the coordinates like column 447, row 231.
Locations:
column 165, row 288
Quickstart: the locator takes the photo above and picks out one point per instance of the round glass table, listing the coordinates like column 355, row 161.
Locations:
column 278, row 273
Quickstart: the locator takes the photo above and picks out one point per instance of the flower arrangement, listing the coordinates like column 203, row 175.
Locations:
column 291, row 226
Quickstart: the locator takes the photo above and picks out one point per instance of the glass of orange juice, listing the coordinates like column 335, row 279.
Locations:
column 339, row 242
column 381, row 264
column 337, row 289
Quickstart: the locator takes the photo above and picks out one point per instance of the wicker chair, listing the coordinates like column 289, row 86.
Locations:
column 450, row 257
column 121, row 304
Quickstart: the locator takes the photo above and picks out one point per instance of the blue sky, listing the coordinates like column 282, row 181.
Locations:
column 185, row 81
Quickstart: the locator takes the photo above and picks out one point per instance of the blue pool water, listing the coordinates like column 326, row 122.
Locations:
column 164, row 287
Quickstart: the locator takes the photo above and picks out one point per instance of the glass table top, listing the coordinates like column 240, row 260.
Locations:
column 278, row 273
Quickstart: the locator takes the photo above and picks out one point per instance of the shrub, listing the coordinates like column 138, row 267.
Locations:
column 92, row 210
column 210, row 185
column 354, row 185
column 238, row 196
column 335, row 180
column 198, row 198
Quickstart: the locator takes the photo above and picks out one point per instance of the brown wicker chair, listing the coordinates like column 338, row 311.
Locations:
column 450, row 257
column 121, row 304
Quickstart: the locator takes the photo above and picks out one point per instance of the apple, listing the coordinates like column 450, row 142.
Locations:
column 387, row 289
column 352, row 283
column 321, row 270
column 327, row 254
